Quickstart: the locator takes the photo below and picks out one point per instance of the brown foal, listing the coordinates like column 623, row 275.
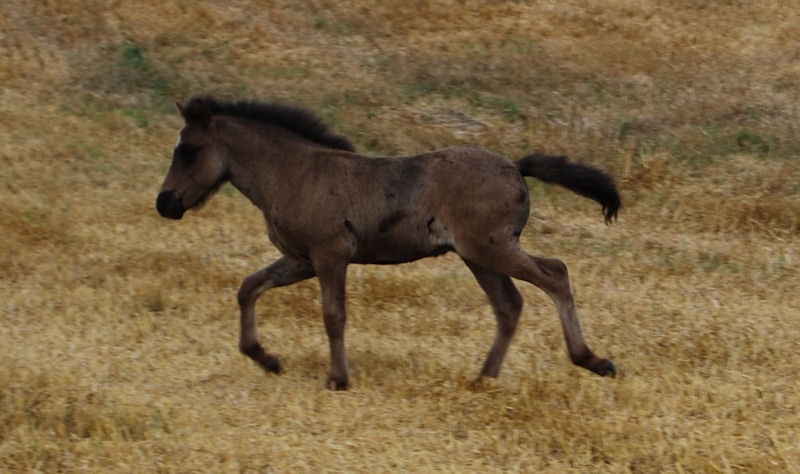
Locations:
column 327, row 207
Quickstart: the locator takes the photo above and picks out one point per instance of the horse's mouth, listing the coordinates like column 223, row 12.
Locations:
column 169, row 205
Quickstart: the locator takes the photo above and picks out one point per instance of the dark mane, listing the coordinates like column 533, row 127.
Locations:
column 295, row 119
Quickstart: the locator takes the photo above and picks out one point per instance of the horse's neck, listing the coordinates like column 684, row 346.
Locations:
column 266, row 165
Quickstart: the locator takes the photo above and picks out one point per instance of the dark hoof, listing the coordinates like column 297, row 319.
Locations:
column 337, row 385
column 267, row 361
column 483, row 383
column 606, row 369
column 270, row 363
column 602, row 367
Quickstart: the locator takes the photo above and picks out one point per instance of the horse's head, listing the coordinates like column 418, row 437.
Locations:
column 198, row 168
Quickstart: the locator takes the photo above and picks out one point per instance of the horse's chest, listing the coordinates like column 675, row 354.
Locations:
column 285, row 238
column 296, row 236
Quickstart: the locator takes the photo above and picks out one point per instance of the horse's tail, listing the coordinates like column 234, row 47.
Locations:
column 585, row 180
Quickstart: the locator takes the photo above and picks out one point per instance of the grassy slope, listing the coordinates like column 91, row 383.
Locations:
column 120, row 327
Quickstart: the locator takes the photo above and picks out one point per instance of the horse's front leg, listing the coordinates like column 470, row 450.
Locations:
column 284, row 271
column 332, row 273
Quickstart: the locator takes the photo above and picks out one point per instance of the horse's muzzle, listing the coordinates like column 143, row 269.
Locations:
column 169, row 205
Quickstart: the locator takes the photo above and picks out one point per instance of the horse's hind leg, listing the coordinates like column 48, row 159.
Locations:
column 551, row 276
column 284, row 271
column 507, row 305
column 556, row 283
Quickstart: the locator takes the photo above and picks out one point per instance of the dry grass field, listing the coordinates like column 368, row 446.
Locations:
column 119, row 328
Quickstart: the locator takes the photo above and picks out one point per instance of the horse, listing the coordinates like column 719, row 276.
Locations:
column 327, row 207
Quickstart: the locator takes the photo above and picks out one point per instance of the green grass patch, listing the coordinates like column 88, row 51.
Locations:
column 750, row 141
column 133, row 71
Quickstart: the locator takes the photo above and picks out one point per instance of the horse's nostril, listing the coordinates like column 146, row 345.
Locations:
column 168, row 204
column 162, row 201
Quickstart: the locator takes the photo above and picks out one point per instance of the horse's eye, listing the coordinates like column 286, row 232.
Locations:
column 187, row 152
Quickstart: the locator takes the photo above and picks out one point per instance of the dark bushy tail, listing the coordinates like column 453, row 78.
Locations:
column 582, row 179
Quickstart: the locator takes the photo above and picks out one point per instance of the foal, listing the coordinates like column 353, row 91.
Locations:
column 327, row 207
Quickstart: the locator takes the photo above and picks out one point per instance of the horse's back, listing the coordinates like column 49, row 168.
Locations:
column 474, row 181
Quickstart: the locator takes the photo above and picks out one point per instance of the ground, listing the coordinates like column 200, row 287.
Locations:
column 120, row 327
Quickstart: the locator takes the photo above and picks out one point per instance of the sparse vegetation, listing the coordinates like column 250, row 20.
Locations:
column 120, row 328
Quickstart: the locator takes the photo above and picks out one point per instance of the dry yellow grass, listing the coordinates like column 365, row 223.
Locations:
column 119, row 329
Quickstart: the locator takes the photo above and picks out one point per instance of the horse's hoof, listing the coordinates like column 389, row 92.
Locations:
column 606, row 369
column 271, row 364
column 336, row 385
column 483, row 383
column 267, row 361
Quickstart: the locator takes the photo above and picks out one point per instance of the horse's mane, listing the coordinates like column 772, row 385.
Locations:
column 295, row 119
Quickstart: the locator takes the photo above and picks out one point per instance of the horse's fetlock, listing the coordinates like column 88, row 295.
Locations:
column 582, row 359
column 251, row 350
column 267, row 361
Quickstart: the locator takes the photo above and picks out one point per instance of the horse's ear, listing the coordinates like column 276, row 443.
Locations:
column 180, row 108
column 197, row 111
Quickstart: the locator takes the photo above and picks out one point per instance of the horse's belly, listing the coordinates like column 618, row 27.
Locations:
column 389, row 250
